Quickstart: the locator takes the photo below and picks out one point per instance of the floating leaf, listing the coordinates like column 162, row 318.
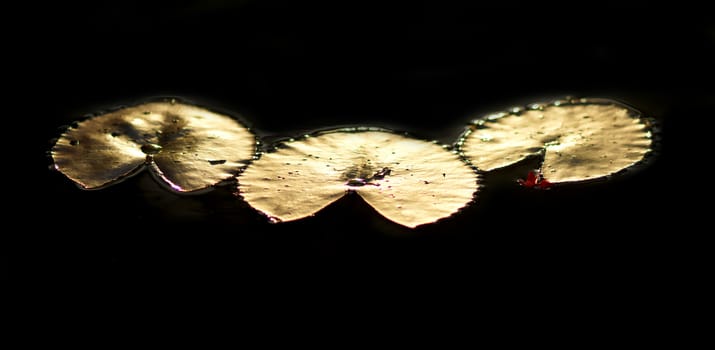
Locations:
column 187, row 147
column 409, row 181
column 580, row 140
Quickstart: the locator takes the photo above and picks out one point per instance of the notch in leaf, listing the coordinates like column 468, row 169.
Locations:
column 579, row 140
column 409, row 181
column 186, row 147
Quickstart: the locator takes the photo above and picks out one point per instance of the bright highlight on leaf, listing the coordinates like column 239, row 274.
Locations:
column 187, row 147
column 580, row 140
column 409, row 181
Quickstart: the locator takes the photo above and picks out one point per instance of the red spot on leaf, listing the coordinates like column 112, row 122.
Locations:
column 532, row 180
column 544, row 184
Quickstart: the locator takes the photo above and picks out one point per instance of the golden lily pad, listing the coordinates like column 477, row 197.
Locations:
column 189, row 148
column 409, row 181
column 580, row 140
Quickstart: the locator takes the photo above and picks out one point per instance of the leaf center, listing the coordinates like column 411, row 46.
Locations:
column 364, row 174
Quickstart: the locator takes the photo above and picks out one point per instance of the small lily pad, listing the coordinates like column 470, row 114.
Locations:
column 407, row 180
column 188, row 148
column 579, row 140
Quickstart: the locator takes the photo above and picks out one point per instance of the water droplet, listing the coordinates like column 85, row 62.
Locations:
column 356, row 182
column 151, row 148
column 74, row 142
column 494, row 116
column 486, row 139
column 172, row 101
column 217, row 162
column 274, row 220
column 382, row 173
column 536, row 106
column 552, row 143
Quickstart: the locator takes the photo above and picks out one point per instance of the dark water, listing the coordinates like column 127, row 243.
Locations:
column 427, row 68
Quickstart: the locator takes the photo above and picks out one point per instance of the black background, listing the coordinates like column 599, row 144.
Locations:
column 427, row 67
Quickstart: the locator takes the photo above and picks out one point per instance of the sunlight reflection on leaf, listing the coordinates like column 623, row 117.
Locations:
column 580, row 140
column 409, row 181
column 188, row 148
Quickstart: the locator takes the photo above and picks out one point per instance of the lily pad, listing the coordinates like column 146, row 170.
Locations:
column 579, row 139
column 186, row 147
column 407, row 180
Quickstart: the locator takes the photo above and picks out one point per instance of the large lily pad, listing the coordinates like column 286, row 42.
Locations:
column 188, row 148
column 409, row 181
column 580, row 140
